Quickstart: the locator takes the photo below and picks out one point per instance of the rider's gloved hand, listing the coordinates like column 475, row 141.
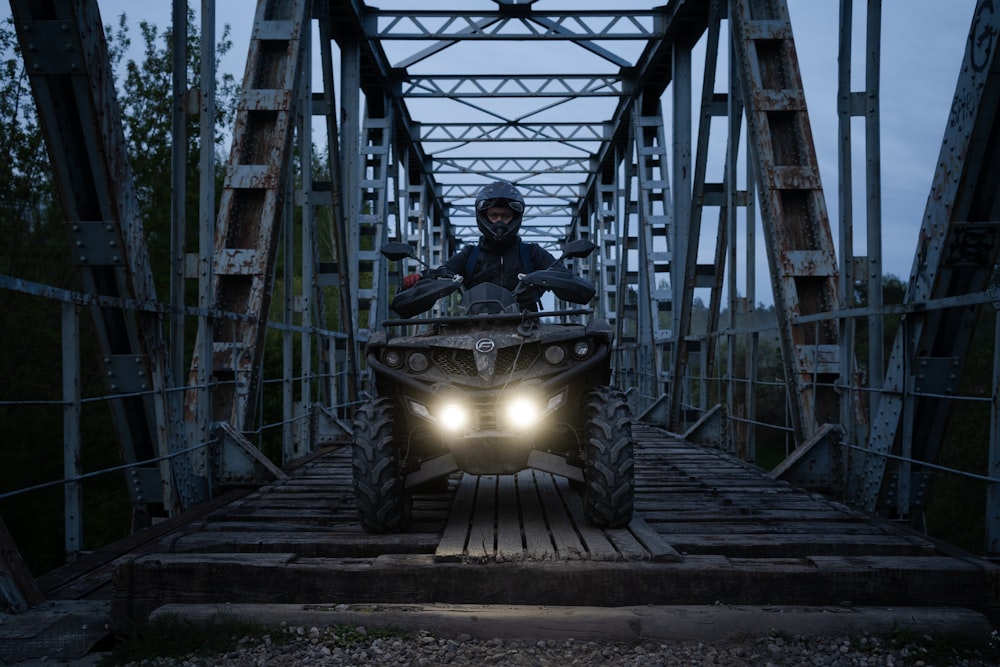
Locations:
column 529, row 298
column 439, row 272
column 410, row 279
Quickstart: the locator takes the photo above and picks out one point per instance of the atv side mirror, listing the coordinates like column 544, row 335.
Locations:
column 397, row 250
column 578, row 248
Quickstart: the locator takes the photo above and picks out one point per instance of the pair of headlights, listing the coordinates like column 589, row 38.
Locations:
column 517, row 413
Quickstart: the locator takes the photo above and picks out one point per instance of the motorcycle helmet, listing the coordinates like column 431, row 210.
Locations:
column 499, row 193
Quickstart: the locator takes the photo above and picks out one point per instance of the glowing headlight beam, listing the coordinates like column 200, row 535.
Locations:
column 523, row 412
column 453, row 416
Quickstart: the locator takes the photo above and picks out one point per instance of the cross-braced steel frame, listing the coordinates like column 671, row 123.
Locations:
column 393, row 120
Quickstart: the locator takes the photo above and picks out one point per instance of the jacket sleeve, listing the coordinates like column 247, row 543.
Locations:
column 456, row 263
column 543, row 259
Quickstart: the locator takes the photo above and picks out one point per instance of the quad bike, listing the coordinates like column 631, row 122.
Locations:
column 492, row 390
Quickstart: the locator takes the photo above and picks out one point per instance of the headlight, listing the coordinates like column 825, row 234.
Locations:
column 417, row 362
column 392, row 358
column 453, row 416
column 581, row 349
column 523, row 412
column 554, row 354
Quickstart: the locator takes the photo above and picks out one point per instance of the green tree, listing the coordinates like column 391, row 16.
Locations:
column 147, row 113
column 36, row 248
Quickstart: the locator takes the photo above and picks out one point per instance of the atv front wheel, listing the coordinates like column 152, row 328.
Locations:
column 609, row 490
column 383, row 504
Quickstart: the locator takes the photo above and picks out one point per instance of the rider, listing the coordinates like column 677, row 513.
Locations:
column 500, row 254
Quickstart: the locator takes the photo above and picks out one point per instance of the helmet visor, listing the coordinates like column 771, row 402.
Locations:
column 512, row 204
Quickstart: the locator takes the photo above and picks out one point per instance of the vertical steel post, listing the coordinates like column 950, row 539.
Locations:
column 682, row 236
column 308, row 271
column 206, row 235
column 72, row 450
column 178, row 192
column 350, row 152
column 993, row 467
column 288, row 317
column 846, row 215
column 873, row 161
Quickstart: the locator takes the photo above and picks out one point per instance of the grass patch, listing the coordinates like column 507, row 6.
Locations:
column 171, row 636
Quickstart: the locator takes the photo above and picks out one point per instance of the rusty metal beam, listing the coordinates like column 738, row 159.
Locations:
column 249, row 218
column 793, row 212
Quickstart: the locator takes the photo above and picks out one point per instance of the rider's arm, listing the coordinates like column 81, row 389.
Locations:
column 455, row 265
column 542, row 258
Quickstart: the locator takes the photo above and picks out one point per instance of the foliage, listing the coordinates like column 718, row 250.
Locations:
column 956, row 505
column 147, row 108
column 36, row 249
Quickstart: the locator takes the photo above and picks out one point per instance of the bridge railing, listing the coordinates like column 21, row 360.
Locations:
column 945, row 480
column 64, row 462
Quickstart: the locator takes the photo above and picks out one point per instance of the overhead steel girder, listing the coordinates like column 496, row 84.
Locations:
column 680, row 22
column 515, row 131
column 492, row 86
column 347, row 23
column 565, row 191
column 684, row 22
column 513, row 165
column 514, row 22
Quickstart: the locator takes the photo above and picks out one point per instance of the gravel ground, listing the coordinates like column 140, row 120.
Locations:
column 357, row 646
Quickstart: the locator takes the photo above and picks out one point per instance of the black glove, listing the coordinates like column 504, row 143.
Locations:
column 439, row 272
column 529, row 298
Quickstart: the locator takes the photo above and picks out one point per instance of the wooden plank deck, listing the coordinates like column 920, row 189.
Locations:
column 708, row 528
column 536, row 516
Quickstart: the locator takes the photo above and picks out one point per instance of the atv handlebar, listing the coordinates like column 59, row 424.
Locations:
column 486, row 317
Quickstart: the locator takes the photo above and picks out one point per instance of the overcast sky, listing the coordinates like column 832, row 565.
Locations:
column 923, row 44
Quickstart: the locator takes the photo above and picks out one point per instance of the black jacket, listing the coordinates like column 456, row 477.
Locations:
column 497, row 265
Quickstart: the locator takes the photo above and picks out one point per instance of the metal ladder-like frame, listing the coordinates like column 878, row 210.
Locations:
column 250, row 211
column 655, row 243
column 796, row 226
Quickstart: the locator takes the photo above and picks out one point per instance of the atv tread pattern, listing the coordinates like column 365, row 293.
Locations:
column 609, row 491
column 383, row 504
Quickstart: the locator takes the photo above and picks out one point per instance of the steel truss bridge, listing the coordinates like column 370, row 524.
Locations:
column 358, row 125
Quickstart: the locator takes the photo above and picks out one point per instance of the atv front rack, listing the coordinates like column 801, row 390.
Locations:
column 485, row 317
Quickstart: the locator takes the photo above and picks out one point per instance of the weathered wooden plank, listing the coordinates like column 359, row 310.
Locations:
column 537, row 541
column 847, row 528
column 482, row 531
column 627, row 544
column 658, row 548
column 759, row 545
column 452, row 544
column 654, row 514
column 315, row 544
column 509, row 542
column 597, row 544
column 564, row 535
